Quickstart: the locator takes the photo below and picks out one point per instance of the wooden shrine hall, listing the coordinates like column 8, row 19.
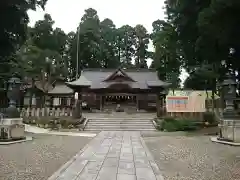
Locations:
column 132, row 89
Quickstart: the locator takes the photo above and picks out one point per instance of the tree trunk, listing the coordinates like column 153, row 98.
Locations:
column 31, row 92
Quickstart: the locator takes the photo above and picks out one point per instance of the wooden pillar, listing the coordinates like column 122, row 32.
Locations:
column 101, row 102
column 137, row 102
column 158, row 104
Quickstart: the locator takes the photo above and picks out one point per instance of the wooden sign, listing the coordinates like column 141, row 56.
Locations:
column 177, row 103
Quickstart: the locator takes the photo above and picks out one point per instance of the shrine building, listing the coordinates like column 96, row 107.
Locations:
column 132, row 89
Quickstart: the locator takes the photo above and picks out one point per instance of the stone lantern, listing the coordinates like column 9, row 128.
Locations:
column 13, row 95
column 11, row 125
column 230, row 122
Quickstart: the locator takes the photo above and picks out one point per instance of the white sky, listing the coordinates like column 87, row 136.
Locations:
column 67, row 13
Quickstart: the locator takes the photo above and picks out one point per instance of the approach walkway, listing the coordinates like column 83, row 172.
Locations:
column 111, row 156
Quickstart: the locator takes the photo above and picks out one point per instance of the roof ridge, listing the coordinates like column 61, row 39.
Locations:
column 115, row 69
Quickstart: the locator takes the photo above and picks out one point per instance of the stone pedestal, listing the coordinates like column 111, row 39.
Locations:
column 11, row 129
column 230, row 130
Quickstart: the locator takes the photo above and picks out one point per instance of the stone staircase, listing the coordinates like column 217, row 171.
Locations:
column 120, row 124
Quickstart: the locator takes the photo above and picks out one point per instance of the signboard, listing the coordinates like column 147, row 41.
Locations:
column 177, row 103
column 193, row 103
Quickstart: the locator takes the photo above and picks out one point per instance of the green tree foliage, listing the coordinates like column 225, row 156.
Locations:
column 13, row 30
column 126, row 39
column 196, row 35
column 43, row 56
column 108, row 45
column 102, row 45
column 206, row 33
column 141, row 46
column 166, row 58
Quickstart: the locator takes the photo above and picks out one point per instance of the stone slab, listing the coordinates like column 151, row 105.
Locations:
column 126, row 168
column 101, row 160
column 126, row 177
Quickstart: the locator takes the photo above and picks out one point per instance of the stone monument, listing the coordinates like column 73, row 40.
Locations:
column 230, row 121
column 11, row 125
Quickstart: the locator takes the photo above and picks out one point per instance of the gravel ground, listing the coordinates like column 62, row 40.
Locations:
column 38, row 159
column 194, row 158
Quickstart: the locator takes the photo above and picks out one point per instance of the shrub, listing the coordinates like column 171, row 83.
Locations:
column 188, row 125
column 29, row 120
column 63, row 123
column 43, row 121
column 209, row 117
column 172, row 124
column 169, row 118
column 26, row 121
column 69, row 123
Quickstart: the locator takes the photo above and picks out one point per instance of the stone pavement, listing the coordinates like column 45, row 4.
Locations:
column 111, row 156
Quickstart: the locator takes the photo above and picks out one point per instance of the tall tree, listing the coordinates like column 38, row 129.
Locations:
column 141, row 46
column 108, row 45
column 52, row 43
column 126, row 42
column 167, row 57
column 89, row 41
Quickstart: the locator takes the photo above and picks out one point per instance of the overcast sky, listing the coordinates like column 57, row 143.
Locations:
column 67, row 13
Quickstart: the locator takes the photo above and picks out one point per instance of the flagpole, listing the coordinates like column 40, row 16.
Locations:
column 77, row 63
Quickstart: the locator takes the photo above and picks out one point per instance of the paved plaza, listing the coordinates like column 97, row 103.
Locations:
column 111, row 156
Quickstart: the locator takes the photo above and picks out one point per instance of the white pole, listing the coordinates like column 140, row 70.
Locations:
column 77, row 63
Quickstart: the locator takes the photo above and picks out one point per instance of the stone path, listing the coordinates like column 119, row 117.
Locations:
column 111, row 156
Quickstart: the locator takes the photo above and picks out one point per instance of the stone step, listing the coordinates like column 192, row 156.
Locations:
column 120, row 122
column 114, row 126
column 97, row 130
column 143, row 123
column 119, row 125
column 113, row 120
column 121, row 117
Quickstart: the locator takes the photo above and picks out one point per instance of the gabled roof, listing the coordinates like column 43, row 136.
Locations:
column 61, row 89
column 82, row 81
column 96, row 78
column 118, row 72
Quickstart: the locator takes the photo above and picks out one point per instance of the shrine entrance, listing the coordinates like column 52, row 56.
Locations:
column 127, row 102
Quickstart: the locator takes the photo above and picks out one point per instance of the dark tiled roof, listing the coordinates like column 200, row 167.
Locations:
column 83, row 81
column 61, row 89
column 95, row 78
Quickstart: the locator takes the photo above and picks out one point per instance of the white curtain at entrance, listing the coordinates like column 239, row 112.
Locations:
column 56, row 101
